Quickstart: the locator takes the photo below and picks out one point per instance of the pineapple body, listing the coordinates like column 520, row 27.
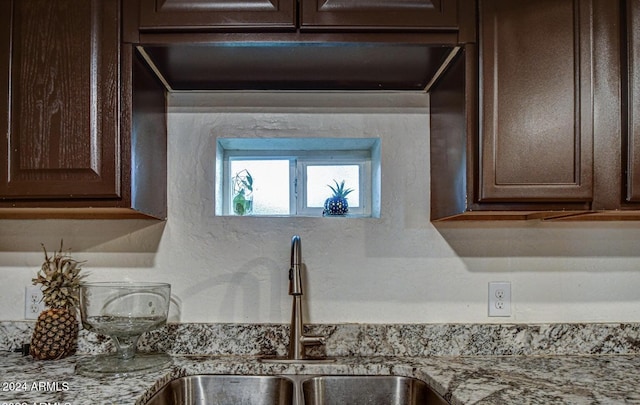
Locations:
column 55, row 335
column 337, row 204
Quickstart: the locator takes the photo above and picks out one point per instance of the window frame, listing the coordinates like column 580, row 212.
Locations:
column 228, row 186
column 354, row 158
column 301, row 157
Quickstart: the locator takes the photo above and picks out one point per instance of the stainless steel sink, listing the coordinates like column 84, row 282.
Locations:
column 295, row 390
column 226, row 390
column 369, row 390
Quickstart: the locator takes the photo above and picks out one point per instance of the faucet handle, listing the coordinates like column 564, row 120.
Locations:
column 313, row 340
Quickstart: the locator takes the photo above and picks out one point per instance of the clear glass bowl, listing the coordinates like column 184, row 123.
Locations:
column 123, row 311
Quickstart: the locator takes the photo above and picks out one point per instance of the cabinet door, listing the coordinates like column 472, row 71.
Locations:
column 633, row 64
column 536, row 130
column 379, row 14
column 216, row 14
column 60, row 71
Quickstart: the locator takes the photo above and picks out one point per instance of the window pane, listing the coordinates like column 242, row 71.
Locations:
column 319, row 177
column 270, row 194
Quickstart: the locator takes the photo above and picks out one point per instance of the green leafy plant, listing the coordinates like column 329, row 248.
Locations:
column 243, row 193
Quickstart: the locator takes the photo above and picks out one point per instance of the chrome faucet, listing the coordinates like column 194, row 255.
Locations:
column 298, row 341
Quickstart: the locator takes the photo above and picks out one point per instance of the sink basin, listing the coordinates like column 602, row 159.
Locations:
column 361, row 390
column 226, row 390
column 212, row 389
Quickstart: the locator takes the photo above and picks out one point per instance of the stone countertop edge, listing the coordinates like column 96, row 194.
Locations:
column 366, row 340
column 584, row 379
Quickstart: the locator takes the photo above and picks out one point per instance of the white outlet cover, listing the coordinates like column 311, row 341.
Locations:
column 33, row 303
column 500, row 298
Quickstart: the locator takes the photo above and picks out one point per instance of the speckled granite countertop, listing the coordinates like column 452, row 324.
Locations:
column 467, row 364
column 594, row 379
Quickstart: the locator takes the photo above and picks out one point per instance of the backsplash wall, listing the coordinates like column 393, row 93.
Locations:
column 399, row 268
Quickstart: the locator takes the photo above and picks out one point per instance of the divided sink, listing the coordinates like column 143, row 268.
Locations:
column 210, row 389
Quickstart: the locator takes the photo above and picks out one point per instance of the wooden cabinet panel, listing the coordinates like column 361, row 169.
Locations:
column 216, row 14
column 453, row 124
column 61, row 60
column 633, row 90
column 536, row 114
column 386, row 14
column 84, row 118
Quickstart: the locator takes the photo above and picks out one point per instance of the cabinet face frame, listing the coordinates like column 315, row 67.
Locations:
column 62, row 113
column 557, row 165
column 211, row 15
column 313, row 15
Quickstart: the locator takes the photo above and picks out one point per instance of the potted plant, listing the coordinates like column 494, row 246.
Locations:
column 243, row 193
column 337, row 204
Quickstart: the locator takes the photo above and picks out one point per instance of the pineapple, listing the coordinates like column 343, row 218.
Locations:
column 337, row 203
column 56, row 332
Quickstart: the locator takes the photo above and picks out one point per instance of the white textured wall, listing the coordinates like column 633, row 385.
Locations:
column 398, row 268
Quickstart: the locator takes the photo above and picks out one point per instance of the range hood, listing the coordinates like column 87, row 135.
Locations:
column 308, row 64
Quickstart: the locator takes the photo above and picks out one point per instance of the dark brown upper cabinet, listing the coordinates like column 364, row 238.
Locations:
column 289, row 15
column 379, row 14
column 633, row 95
column 536, row 104
column 52, row 152
column 73, row 129
column 527, row 123
column 298, row 44
column 213, row 14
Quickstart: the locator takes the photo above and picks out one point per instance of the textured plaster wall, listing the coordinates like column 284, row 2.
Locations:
column 398, row 268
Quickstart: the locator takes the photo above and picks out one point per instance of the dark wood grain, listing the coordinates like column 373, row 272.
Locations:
column 633, row 92
column 76, row 138
column 213, row 15
column 380, row 15
column 64, row 97
column 536, row 100
column 465, row 125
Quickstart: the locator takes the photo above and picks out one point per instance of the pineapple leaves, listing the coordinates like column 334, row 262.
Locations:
column 60, row 278
column 339, row 190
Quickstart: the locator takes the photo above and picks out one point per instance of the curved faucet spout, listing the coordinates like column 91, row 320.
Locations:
column 296, row 250
column 297, row 339
column 295, row 276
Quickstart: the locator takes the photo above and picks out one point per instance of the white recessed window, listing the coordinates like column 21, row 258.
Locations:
column 295, row 176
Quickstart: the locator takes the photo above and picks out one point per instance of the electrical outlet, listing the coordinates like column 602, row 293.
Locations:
column 500, row 298
column 33, row 303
